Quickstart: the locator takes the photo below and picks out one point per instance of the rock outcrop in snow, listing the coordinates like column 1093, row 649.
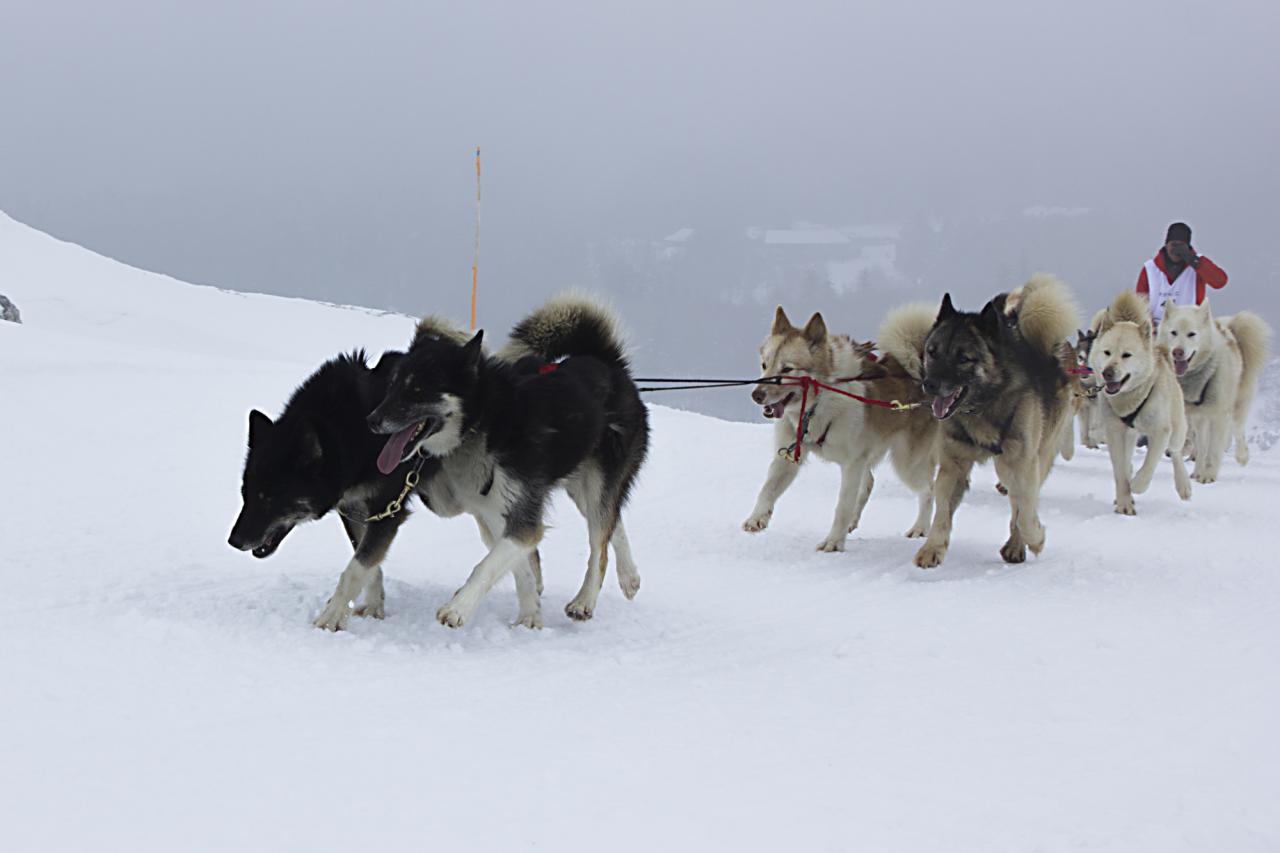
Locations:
column 9, row 311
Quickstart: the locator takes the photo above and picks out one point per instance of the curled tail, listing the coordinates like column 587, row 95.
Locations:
column 1127, row 307
column 570, row 324
column 903, row 332
column 1047, row 313
column 1254, row 337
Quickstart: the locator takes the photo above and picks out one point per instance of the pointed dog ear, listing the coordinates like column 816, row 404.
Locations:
column 473, row 349
column 258, row 426
column 1144, row 329
column 874, row 370
column 1203, row 307
column 781, row 323
column 947, row 308
column 989, row 319
column 815, row 331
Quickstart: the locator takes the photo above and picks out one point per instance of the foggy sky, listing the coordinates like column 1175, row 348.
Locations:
column 325, row 148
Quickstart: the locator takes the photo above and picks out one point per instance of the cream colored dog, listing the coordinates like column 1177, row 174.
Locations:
column 1217, row 362
column 1140, row 394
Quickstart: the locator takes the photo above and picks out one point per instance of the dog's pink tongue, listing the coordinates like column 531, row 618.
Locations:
column 1180, row 367
column 393, row 451
column 940, row 406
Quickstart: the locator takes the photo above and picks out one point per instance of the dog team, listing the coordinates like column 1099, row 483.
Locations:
column 493, row 434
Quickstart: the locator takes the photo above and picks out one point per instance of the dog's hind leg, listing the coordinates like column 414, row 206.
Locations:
column 1067, row 443
column 528, row 583
column 1207, row 440
column 924, row 509
column 948, row 491
column 363, row 574
column 628, row 574
column 601, row 513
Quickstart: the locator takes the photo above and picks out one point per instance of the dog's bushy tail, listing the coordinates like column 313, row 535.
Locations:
column 1047, row 313
column 435, row 326
column 569, row 324
column 903, row 332
column 1127, row 307
column 1254, row 337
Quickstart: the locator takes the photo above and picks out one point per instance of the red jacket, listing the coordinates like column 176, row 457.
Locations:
column 1206, row 273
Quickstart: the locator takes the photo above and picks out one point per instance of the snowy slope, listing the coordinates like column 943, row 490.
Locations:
column 164, row 692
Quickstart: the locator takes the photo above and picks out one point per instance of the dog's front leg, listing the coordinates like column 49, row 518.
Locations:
column 782, row 473
column 502, row 558
column 363, row 574
column 948, row 491
column 1019, row 470
column 1207, row 437
column 1157, row 442
column 1118, row 448
column 527, row 577
column 855, row 489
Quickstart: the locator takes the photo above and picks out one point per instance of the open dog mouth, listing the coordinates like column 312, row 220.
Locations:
column 1180, row 365
column 1113, row 386
column 776, row 408
column 272, row 541
column 944, row 405
column 395, row 450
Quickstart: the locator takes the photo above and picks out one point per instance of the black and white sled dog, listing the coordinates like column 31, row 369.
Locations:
column 558, row 407
column 319, row 456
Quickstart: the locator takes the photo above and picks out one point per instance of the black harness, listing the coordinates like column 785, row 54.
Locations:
column 1204, row 391
column 1128, row 419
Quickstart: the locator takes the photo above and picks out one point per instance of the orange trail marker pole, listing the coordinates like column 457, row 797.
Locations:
column 475, row 261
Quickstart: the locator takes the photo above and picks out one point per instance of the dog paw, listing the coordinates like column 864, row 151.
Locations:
column 1242, row 454
column 917, row 532
column 1184, row 490
column 334, row 616
column 1140, row 484
column 1125, row 507
column 372, row 610
column 531, row 621
column 579, row 610
column 757, row 522
column 1013, row 551
column 1092, row 445
column 630, row 584
column 450, row 617
column 831, row 544
column 1001, row 489
column 930, row 555
column 1204, row 478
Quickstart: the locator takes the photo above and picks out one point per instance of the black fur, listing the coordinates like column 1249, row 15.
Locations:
column 541, row 420
column 985, row 357
column 319, row 450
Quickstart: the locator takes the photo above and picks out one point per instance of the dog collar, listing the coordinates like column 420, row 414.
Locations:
column 1128, row 419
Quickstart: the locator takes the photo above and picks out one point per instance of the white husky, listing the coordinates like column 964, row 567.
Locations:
column 847, row 432
column 1217, row 362
column 1140, row 395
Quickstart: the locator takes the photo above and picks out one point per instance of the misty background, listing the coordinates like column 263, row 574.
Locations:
column 698, row 162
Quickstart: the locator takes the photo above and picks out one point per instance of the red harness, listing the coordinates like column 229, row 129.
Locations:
column 807, row 382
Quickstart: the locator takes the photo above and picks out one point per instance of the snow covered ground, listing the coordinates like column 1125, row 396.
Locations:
column 164, row 692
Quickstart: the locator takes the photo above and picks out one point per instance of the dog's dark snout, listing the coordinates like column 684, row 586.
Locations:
column 1178, row 353
column 758, row 395
column 374, row 420
column 1109, row 373
column 930, row 387
column 236, row 540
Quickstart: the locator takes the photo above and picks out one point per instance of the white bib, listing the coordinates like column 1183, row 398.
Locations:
column 1182, row 290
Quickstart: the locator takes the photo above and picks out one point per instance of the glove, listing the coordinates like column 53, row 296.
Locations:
column 1192, row 257
column 1182, row 253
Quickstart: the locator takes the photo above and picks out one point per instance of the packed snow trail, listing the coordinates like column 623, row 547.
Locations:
column 164, row 692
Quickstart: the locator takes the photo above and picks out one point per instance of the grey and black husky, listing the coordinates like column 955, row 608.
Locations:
column 557, row 408
column 998, row 386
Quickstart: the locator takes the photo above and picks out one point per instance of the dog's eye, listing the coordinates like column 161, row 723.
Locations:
column 763, row 366
column 786, row 370
column 1191, row 334
column 1107, row 352
column 1126, row 355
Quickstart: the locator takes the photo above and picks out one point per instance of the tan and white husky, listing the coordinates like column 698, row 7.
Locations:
column 1140, row 395
column 854, row 435
column 1217, row 362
